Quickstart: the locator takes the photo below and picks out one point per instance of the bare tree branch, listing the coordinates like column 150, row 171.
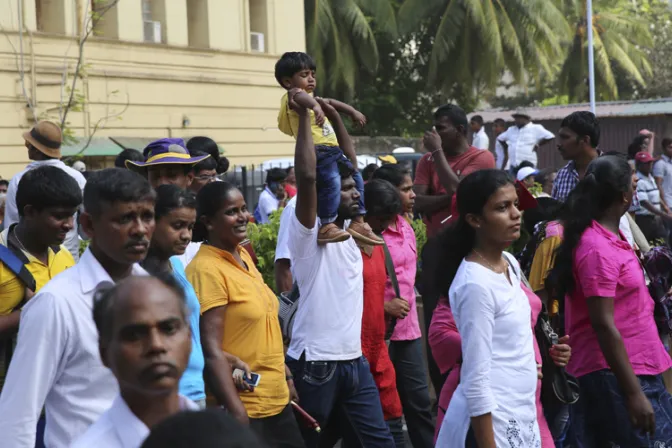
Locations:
column 100, row 123
column 89, row 26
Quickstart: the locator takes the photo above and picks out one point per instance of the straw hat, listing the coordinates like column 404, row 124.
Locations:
column 46, row 137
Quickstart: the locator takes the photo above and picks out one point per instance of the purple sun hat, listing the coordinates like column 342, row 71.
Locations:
column 167, row 151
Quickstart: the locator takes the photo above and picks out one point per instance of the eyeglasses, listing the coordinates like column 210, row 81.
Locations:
column 206, row 178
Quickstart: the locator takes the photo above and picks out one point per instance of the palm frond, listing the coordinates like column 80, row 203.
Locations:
column 603, row 68
column 449, row 29
column 622, row 58
column 382, row 11
column 413, row 12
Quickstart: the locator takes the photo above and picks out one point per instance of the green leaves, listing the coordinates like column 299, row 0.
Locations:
column 478, row 40
column 264, row 238
column 620, row 37
column 341, row 39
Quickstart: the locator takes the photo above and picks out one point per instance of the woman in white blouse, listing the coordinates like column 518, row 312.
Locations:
column 494, row 404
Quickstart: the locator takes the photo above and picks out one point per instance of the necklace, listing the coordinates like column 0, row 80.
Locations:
column 497, row 271
column 22, row 247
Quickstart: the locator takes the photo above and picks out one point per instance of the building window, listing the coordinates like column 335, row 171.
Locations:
column 197, row 23
column 258, row 25
column 105, row 18
column 50, row 15
column 154, row 21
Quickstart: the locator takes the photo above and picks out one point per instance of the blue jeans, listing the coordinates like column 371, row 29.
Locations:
column 600, row 417
column 346, row 387
column 409, row 365
column 395, row 425
column 329, row 183
column 39, row 437
column 557, row 418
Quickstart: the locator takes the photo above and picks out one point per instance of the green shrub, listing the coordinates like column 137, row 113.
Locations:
column 420, row 230
column 264, row 238
column 83, row 244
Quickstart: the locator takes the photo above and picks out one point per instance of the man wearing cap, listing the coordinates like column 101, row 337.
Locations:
column 44, row 148
column 522, row 139
column 167, row 162
column 649, row 217
column 526, row 176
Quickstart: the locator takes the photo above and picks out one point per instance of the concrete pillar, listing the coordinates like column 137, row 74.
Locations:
column 29, row 13
column 175, row 22
column 130, row 25
column 226, row 25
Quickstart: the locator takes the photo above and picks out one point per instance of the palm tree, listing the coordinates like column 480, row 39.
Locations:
column 477, row 40
column 619, row 40
column 341, row 38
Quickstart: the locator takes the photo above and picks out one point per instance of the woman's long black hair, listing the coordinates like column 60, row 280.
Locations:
column 445, row 252
column 208, row 202
column 607, row 178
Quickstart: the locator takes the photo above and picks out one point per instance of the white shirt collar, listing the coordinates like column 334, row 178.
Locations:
column 93, row 273
column 124, row 425
column 49, row 162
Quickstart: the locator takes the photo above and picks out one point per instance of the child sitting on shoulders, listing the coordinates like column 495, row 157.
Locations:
column 295, row 72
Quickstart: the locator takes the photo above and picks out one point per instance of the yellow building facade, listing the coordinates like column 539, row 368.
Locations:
column 151, row 69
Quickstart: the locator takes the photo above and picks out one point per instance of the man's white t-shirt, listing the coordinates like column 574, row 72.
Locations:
column 522, row 142
column 328, row 323
column 282, row 246
column 268, row 203
column 481, row 140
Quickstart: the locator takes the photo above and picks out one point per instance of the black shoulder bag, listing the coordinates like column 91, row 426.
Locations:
column 557, row 386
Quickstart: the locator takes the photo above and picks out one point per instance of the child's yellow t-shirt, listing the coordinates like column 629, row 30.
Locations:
column 288, row 122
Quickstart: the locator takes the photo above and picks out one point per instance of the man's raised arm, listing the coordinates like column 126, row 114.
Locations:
column 305, row 163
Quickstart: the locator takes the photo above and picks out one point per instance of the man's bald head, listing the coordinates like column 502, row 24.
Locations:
column 107, row 296
column 144, row 335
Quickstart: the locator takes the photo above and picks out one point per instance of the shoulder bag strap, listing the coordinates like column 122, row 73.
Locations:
column 389, row 267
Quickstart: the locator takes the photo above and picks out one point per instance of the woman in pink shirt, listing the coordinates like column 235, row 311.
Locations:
column 618, row 356
column 406, row 340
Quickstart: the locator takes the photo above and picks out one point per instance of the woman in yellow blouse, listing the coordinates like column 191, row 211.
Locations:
column 239, row 316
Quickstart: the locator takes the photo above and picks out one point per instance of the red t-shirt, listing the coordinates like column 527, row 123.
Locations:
column 471, row 160
column 373, row 333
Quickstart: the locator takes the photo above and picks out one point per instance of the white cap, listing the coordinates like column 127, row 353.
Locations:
column 525, row 172
column 79, row 166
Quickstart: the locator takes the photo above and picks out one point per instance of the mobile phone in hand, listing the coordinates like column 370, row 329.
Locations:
column 253, row 380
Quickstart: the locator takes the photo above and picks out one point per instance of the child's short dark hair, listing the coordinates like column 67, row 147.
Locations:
column 291, row 63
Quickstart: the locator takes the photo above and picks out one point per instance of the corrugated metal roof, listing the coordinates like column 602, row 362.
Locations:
column 604, row 109
column 99, row 146
column 138, row 143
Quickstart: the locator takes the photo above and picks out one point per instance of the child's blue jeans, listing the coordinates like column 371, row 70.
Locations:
column 329, row 183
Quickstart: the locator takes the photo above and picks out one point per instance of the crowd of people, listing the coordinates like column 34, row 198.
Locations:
column 164, row 333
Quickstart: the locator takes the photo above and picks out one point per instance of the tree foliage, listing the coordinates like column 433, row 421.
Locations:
column 619, row 40
column 658, row 15
column 477, row 40
column 340, row 36
column 397, row 59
